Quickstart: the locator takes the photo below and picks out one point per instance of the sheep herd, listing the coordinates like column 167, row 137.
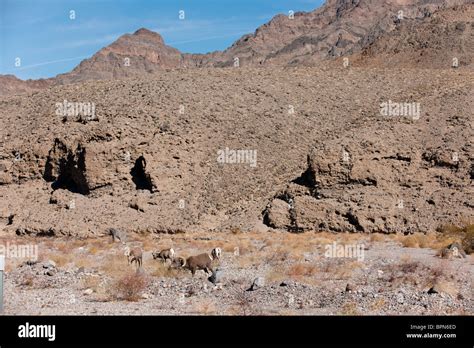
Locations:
column 193, row 263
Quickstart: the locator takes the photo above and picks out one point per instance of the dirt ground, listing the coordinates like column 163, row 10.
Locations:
column 389, row 274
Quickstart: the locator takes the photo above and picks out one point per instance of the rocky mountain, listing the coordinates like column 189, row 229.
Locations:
column 289, row 147
column 143, row 52
column 444, row 39
column 369, row 32
column 9, row 84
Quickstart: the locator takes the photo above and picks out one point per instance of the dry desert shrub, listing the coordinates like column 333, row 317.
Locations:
column 248, row 261
column 323, row 238
column 64, row 247
column 275, row 276
column 302, row 270
column 93, row 250
column 416, row 273
column 339, row 269
column 345, row 270
column 98, row 245
column 464, row 234
column 84, row 261
column 421, row 240
column 275, row 256
column 377, row 237
column 245, row 246
column 161, row 269
column 242, row 303
column 130, row 286
column 60, row 259
column 407, row 272
column 227, row 246
column 27, row 281
column 447, row 287
column 48, row 243
column 114, row 265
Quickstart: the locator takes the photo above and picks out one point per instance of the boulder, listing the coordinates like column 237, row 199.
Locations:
column 258, row 283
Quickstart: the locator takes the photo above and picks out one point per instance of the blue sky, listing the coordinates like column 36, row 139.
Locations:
column 48, row 42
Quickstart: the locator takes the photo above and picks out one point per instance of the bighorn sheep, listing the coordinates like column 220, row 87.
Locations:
column 216, row 253
column 453, row 250
column 117, row 235
column 165, row 254
column 134, row 255
column 201, row 261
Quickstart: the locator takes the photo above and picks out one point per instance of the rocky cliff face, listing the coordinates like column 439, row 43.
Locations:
column 443, row 39
column 375, row 183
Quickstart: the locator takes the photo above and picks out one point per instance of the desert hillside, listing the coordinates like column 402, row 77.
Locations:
column 322, row 165
column 321, row 155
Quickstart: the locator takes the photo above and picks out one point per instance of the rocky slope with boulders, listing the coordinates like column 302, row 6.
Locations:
column 148, row 159
column 445, row 38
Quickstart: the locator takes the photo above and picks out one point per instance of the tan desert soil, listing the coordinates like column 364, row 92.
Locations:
column 389, row 279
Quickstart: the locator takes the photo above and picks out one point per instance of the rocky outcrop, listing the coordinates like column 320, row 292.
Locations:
column 144, row 174
column 376, row 185
column 73, row 167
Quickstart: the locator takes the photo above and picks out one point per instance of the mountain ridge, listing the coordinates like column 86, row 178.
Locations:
column 339, row 28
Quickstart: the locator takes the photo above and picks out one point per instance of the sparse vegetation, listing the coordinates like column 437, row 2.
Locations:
column 302, row 270
column 420, row 240
column 27, row 281
column 289, row 262
column 464, row 234
column 160, row 269
column 416, row 273
column 378, row 304
column 130, row 286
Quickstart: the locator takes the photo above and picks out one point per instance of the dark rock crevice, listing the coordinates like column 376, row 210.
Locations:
column 66, row 169
column 354, row 221
column 140, row 177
